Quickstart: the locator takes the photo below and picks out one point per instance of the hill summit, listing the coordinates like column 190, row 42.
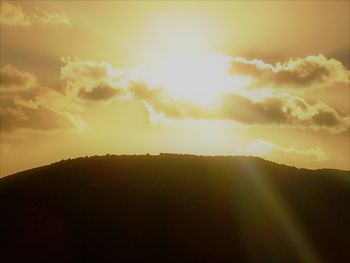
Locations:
column 175, row 208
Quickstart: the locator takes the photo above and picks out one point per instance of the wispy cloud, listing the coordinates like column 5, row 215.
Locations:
column 266, row 148
column 14, row 15
column 307, row 72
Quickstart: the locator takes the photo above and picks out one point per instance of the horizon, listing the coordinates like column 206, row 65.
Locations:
column 203, row 78
column 174, row 155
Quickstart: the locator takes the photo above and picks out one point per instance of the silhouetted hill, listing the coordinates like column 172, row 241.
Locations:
column 174, row 208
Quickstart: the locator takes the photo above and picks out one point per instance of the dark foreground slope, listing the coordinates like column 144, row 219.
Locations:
column 174, row 208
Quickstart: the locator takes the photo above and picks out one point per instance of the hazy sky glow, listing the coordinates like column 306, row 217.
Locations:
column 214, row 78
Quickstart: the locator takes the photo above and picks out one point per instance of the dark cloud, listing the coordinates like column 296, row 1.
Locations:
column 99, row 93
column 242, row 109
column 286, row 111
column 327, row 118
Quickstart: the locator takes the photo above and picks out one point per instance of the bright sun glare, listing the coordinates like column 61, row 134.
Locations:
column 178, row 54
column 198, row 79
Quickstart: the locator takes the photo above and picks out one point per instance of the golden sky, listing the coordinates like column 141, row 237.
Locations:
column 264, row 78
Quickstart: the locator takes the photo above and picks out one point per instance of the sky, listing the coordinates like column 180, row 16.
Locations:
column 262, row 78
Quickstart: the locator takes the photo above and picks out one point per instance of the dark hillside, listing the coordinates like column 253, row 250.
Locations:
column 174, row 208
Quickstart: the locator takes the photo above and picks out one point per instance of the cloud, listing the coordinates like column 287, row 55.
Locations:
column 31, row 107
column 14, row 79
column 42, row 16
column 272, row 110
column 26, row 106
column 88, row 81
column 307, row 72
column 286, row 110
column 13, row 15
column 100, row 81
column 92, row 81
column 158, row 101
column 41, row 118
column 88, row 71
column 99, row 93
column 266, row 148
column 239, row 108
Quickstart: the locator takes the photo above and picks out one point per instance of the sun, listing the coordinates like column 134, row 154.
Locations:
column 177, row 49
column 199, row 79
